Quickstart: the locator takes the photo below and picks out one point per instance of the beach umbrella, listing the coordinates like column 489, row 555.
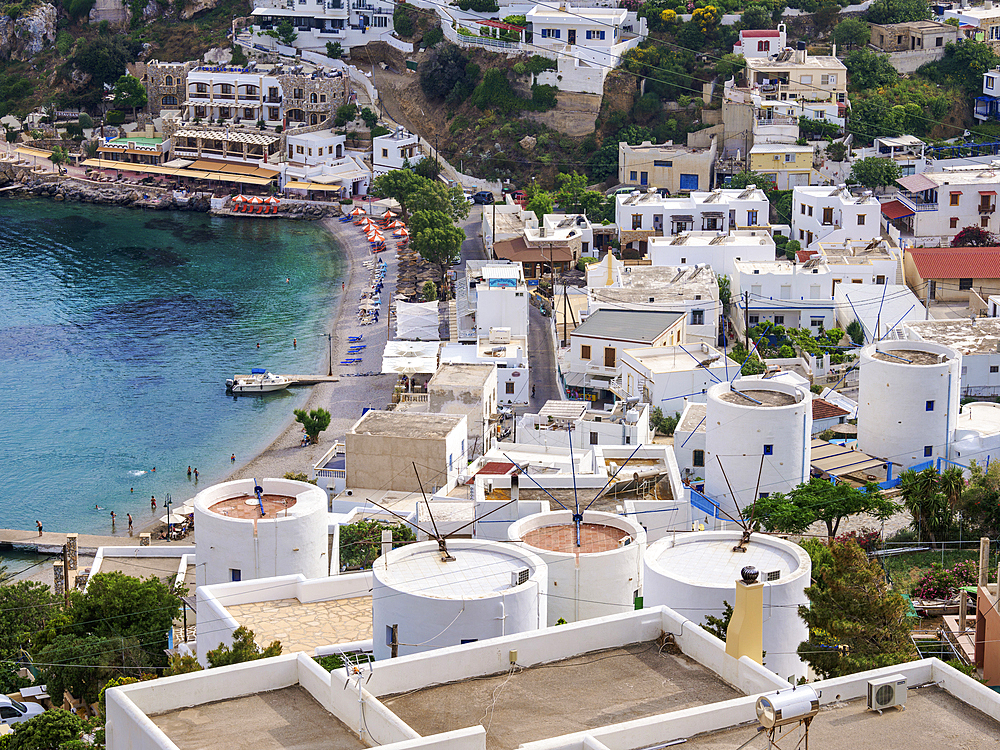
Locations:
column 368, row 224
column 358, row 211
column 172, row 518
column 375, row 235
column 395, row 225
column 272, row 200
column 389, row 215
column 240, row 199
column 404, row 232
column 256, row 200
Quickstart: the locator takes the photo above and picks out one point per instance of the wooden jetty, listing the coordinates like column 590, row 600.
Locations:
column 311, row 379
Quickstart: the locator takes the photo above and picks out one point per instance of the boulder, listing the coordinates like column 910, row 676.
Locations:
column 26, row 36
column 528, row 143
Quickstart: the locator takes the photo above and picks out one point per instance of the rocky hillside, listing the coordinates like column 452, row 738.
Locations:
column 24, row 34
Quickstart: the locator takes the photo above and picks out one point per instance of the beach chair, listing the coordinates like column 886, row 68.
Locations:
column 356, row 338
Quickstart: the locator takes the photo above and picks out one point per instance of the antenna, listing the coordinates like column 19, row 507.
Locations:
column 442, row 545
column 577, row 515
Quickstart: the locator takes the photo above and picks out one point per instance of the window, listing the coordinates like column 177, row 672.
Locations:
column 247, row 113
column 450, row 462
column 806, row 79
column 199, row 111
column 509, row 387
column 779, row 320
column 953, row 198
column 272, row 112
column 816, row 323
column 296, row 93
column 201, row 88
column 636, row 221
column 168, row 81
column 861, row 220
column 964, row 284
column 880, row 280
column 385, row 153
column 789, row 157
column 235, row 574
column 644, row 178
column 593, row 438
column 310, row 152
column 322, row 98
column 313, row 99
column 764, row 495
column 170, row 100
column 300, row 150
column 774, row 575
column 697, row 317
column 763, row 46
column 929, row 406
column 7, row 712
column 899, row 39
column 829, row 80
column 768, row 450
column 698, row 457
column 953, row 222
column 662, row 163
column 226, row 88
column 984, row 222
column 810, row 210
column 827, row 216
column 928, row 451
column 939, row 41
column 633, row 175
column 803, row 208
column 754, row 320
column 585, row 351
column 223, row 113
column 751, row 218
column 989, row 79
column 609, row 356
column 994, row 368
column 380, row 22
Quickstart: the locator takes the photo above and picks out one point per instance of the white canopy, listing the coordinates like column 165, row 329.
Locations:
column 410, row 357
column 417, row 321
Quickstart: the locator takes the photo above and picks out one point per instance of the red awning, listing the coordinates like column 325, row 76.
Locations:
column 954, row 192
column 987, row 192
column 896, row 210
column 501, row 25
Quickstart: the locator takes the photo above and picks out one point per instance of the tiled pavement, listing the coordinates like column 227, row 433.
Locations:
column 302, row 627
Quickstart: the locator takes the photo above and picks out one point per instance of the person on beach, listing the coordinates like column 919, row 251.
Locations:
column 152, row 503
column 129, row 522
column 196, row 474
column 113, row 518
column 189, row 469
column 532, row 391
column 232, row 459
column 343, row 285
column 39, row 525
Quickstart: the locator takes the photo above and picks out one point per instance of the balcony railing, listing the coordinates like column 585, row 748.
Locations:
column 272, row 100
column 915, row 203
column 984, row 210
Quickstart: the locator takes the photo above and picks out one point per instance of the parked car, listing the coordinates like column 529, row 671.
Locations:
column 484, row 197
column 14, row 712
column 468, row 197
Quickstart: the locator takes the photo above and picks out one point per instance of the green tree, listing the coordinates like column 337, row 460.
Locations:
column 298, row 476
column 335, row 51
column 540, row 203
column 436, row 196
column 237, row 56
column 429, row 291
column 181, row 665
column 313, row 422
column 47, row 731
column 974, row 236
column 402, row 22
column 105, row 59
column 897, row 11
column 428, row 168
column 725, row 293
column 400, row 185
column 286, row 32
column 756, row 17
column 718, row 626
column 129, row 92
column 867, row 69
column 873, row 172
column 856, row 622
column 856, row 332
column 926, row 502
column 243, row 649
column 449, row 75
column 59, row 156
column 495, row 92
column 873, row 116
column 850, row 33
column 361, row 541
column 730, row 66
column 436, row 238
column 26, row 607
column 86, row 121
column 83, row 664
column 10, row 682
column 369, row 117
column 664, row 425
column 819, row 500
column 345, row 114
column 837, row 151
column 570, row 189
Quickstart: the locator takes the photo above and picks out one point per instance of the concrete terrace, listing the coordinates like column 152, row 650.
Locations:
column 933, row 719
column 285, row 718
column 303, row 627
column 592, row 690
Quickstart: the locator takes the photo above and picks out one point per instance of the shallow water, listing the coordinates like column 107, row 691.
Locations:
column 118, row 329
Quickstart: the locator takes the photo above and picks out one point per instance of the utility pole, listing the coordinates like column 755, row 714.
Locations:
column 565, row 316
column 746, row 318
column 493, row 245
column 927, row 300
column 65, row 557
column 394, row 644
column 437, row 154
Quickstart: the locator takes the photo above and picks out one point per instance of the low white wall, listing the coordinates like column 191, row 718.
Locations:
column 470, row 738
column 183, row 555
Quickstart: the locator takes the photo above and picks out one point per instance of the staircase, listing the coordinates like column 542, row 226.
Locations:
column 452, row 321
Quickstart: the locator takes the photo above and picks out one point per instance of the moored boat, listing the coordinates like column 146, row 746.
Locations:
column 258, row 381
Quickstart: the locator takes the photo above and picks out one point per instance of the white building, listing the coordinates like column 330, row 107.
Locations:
column 932, row 207
column 559, row 422
column 976, row 340
column 691, row 290
column 784, row 293
column 352, row 24
column 760, row 42
column 696, row 572
column 423, row 601
column 243, row 536
column 797, row 84
column 988, row 105
column 977, row 433
column 908, row 400
column 664, row 376
column 510, row 358
column 640, row 216
column 833, row 214
column 502, row 222
column 468, row 389
column 879, row 308
column 757, row 441
column 394, row 150
column 492, row 300
column 319, row 162
column 713, row 248
column 594, row 568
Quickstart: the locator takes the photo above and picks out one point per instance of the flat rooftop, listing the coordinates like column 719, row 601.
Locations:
column 304, row 626
column 594, row 537
column 981, row 338
column 900, row 357
column 712, row 562
column 933, row 719
column 164, row 568
column 461, row 374
column 663, row 359
column 573, row 695
column 766, row 398
column 285, row 718
column 472, row 574
column 627, row 325
column 247, row 507
column 406, row 424
column 663, row 284
column 693, row 419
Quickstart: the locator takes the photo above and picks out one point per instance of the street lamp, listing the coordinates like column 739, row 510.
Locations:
column 329, row 340
column 169, row 501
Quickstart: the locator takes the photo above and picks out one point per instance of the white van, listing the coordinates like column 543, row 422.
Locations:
column 14, row 712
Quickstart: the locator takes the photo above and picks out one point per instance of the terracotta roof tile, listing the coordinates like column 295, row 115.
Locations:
column 823, row 409
column 956, row 262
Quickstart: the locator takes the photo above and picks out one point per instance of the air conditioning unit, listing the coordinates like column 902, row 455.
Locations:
column 887, row 692
column 499, row 335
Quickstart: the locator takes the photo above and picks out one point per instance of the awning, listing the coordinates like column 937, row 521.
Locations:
column 896, row 210
column 917, row 183
column 987, row 192
column 954, row 192
column 312, row 186
column 839, row 461
column 178, row 163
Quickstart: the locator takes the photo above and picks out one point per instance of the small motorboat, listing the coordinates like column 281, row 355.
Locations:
column 258, row 381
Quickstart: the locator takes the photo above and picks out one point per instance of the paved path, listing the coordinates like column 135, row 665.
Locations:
column 52, row 541
column 541, row 360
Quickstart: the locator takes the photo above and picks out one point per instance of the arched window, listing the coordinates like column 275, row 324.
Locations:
column 170, row 100
column 313, row 99
column 168, row 81
column 340, row 151
column 313, row 119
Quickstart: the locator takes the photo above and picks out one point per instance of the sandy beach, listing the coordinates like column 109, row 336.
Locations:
column 345, row 399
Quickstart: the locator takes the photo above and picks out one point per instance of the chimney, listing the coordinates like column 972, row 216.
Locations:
column 515, row 490
column 800, row 53
column 745, row 635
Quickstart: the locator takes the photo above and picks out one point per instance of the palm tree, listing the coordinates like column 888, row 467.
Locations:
column 952, row 484
column 927, row 503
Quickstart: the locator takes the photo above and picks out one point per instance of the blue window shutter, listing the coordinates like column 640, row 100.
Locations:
column 558, row 33
column 602, row 35
column 588, row 34
column 689, row 182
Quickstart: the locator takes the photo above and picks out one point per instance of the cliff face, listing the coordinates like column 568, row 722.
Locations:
column 29, row 34
column 118, row 13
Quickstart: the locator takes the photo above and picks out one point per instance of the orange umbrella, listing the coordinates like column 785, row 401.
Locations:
column 358, row 211
column 404, row 232
column 368, row 222
column 395, row 225
column 376, row 237
column 240, row 199
column 389, row 215
column 272, row 200
column 256, row 200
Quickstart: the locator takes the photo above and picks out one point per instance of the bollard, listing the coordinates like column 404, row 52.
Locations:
column 58, row 578
column 72, row 551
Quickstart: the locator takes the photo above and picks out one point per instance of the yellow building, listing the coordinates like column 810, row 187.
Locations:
column 787, row 164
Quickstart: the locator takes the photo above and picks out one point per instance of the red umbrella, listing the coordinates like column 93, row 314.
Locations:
column 358, row 211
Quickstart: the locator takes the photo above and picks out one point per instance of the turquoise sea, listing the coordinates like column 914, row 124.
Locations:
column 118, row 329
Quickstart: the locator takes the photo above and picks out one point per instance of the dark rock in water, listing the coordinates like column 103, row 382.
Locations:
column 73, row 224
column 182, row 231
column 154, row 256
column 36, row 342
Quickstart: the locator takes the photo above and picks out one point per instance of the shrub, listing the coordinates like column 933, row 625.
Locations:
column 380, row 130
column 86, row 121
column 433, row 37
column 345, row 114
column 941, row 583
column 114, row 117
column 64, row 43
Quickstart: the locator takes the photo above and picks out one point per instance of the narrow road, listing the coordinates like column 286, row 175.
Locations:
column 541, row 360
